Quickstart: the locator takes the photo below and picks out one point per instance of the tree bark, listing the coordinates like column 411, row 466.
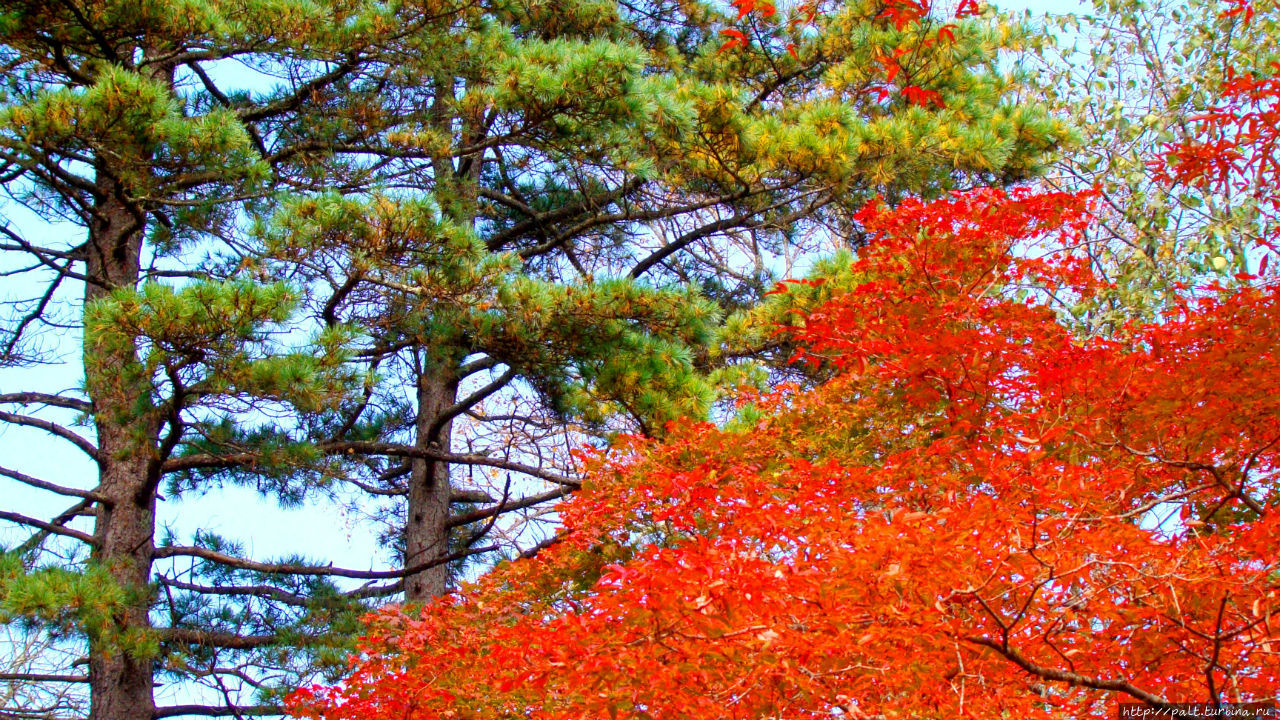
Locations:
column 427, row 525
column 120, row 680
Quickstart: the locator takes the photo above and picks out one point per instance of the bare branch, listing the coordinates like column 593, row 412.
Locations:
column 504, row 507
column 468, row 402
column 750, row 219
column 60, row 521
column 53, row 429
column 533, row 551
column 302, row 93
column 1069, row 677
column 37, row 677
column 36, row 398
column 42, row 485
column 471, row 496
column 46, row 527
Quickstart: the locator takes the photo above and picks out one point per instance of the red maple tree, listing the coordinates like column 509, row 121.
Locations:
column 979, row 515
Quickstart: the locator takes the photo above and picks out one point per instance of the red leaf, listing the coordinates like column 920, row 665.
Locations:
column 736, row 39
column 920, row 96
column 1239, row 7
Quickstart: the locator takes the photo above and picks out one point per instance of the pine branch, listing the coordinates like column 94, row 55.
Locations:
column 372, row 490
column 266, row 592
column 105, row 45
column 207, row 638
column 47, row 527
column 37, row 398
column 51, row 487
column 475, row 366
column 210, row 461
column 330, row 311
column 270, row 592
column 631, row 215
column 542, row 221
column 209, row 85
column 217, row 710
column 315, row 570
column 53, row 429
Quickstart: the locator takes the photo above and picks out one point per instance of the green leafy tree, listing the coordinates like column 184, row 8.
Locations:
column 1137, row 79
column 287, row 213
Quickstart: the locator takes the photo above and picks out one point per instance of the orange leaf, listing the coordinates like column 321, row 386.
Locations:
column 736, row 38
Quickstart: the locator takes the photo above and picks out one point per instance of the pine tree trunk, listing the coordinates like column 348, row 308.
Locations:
column 427, row 526
column 120, row 682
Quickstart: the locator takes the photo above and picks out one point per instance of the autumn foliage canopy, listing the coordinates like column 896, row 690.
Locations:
column 979, row 512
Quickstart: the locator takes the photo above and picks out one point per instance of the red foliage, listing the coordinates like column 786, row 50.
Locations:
column 736, row 39
column 901, row 14
column 906, row 12
column 979, row 515
column 1240, row 8
column 1235, row 153
column 920, row 96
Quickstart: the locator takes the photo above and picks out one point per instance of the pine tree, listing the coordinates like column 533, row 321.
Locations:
column 114, row 121
column 665, row 161
column 537, row 201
